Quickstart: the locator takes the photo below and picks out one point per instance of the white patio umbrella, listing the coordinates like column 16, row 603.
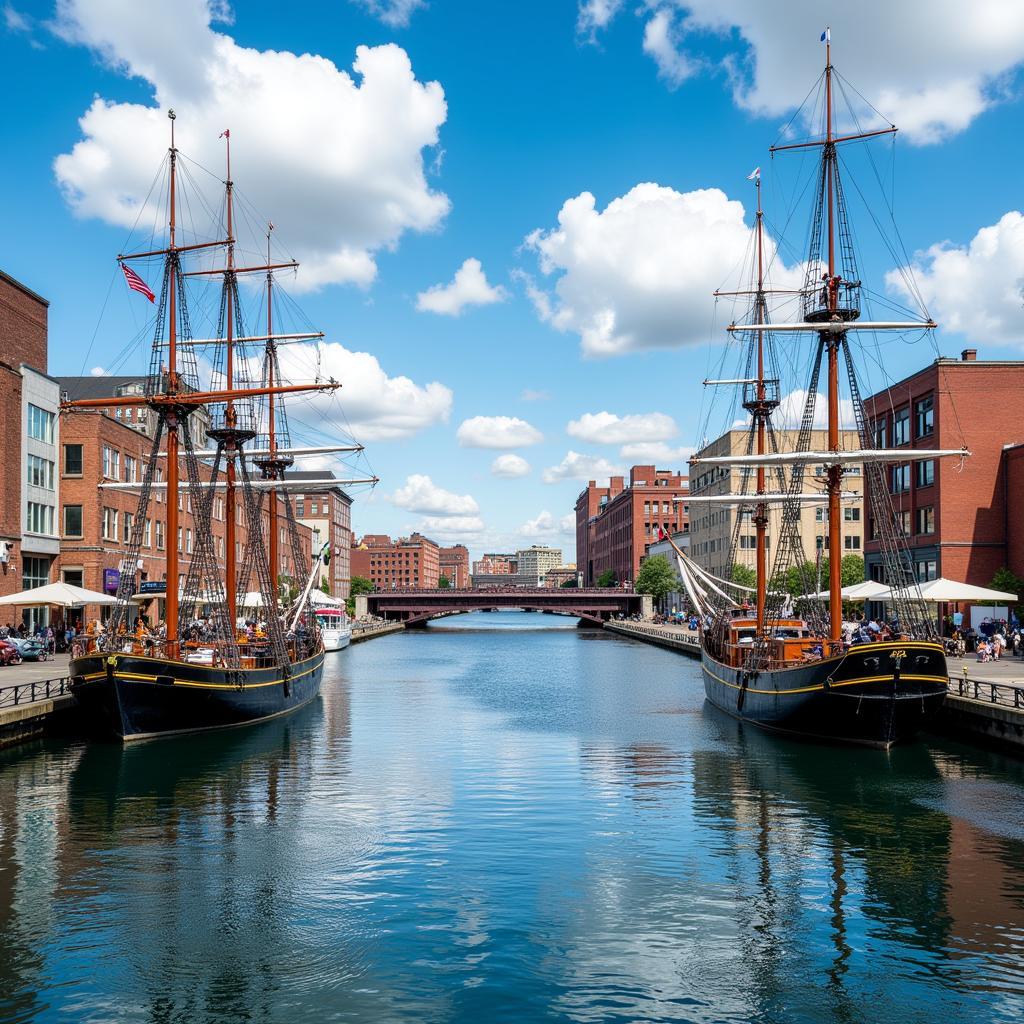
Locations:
column 942, row 591
column 62, row 594
column 868, row 590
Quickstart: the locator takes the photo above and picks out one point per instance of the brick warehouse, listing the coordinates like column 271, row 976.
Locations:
column 412, row 561
column 964, row 521
column 29, row 401
column 454, row 564
column 95, row 524
column 616, row 525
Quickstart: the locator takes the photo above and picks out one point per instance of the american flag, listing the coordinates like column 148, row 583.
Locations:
column 136, row 283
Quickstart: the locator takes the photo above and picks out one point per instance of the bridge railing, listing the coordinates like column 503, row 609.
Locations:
column 566, row 592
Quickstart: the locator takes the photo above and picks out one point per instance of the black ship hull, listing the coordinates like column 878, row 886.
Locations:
column 874, row 694
column 130, row 697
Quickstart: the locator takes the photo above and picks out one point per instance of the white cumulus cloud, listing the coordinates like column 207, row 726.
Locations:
column 449, row 527
column 607, row 428
column 661, row 454
column 580, row 467
column 977, row 289
column 394, row 13
column 639, row 274
column 309, row 147
column 546, row 523
column 931, row 67
column 497, row 432
column 468, row 288
column 377, row 407
column 510, row 466
column 421, row 494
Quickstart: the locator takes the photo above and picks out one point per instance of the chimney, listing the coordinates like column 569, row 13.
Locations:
column 969, row 355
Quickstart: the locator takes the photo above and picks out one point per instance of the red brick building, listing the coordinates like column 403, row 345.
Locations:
column 328, row 514
column 496, row 565
column 95, row 524
column 390, row 564
column 29, row 401
column 963, row 521
column 616, row 525
column 454, row 564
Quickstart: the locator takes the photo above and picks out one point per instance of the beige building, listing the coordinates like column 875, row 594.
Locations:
column 712, row 526
column 535, row 561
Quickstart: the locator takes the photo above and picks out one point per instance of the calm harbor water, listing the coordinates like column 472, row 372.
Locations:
column 507, row 819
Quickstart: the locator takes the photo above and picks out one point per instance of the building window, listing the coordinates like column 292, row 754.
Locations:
column 748, row 543
column 159, row 535
column 852, row 542
column 901, row 478
column 40, row 424
column 924, row 416
column 72, row 460
column 188, row 541
column 179, row 538
column 35, row 572
column 819, row 515
column 300, row 508
column 926, row 570
column 926, row 520
column 851, row 515
column 111, row 463
column 926, row 473
column 110, row 517
column 901, row 426
column 878, row 429
column 148, row 541
column 129, row 469
column 903, row 522
column 72, row 520
column 73, row 577
column 159, row 490
column 128, row 520
column 313, row 506
column 39, row 518
column 40, row 472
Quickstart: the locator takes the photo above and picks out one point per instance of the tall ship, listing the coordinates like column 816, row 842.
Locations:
column 218, row 642
column 775, row 649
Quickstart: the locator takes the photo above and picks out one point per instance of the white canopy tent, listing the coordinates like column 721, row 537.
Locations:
column 318, row 599
column 943, row 591
column 63, row 595
column 868, row 590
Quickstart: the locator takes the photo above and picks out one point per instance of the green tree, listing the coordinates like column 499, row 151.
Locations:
column 361, row 585
column 325, row 585
column 851, row 570
column 743, row 575
column 1008, row 581
column 656, row 577
column 443, row 583
column 607, row 578
column 567, row 584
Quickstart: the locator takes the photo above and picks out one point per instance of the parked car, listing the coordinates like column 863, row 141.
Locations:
column 31, row 648
column 9, row 653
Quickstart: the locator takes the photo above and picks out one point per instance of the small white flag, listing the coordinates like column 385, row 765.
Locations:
column 826, row 36
column 754, row 175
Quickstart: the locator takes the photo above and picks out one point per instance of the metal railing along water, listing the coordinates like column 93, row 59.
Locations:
column 1007, row 695
column 27, row 693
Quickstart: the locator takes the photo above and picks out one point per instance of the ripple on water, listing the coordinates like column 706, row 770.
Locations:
column 496, row 821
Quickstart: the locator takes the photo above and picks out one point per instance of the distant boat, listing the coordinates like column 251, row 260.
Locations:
column 334, row 628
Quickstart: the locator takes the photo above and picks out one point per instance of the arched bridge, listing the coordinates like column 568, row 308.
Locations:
column 417, row 606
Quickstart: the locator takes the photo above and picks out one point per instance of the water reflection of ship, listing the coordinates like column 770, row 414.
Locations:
column 115, row 788
column 866, row 802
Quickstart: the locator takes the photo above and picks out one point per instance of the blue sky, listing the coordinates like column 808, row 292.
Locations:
column 535, row 105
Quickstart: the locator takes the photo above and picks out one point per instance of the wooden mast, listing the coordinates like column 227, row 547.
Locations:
column 271, row 433
column 761, row 513
column 171, row 587
column 833, row 343
column 231, row 441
